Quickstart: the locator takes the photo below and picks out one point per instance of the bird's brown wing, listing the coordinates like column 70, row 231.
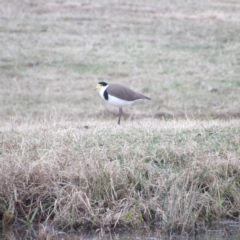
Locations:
column 124, row 93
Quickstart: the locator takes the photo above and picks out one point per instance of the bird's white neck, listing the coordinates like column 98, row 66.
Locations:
column 101, row 91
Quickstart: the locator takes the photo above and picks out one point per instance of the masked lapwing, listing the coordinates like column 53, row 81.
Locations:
column 119, row 95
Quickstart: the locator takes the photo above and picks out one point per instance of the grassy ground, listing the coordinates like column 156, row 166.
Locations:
column 60, row 165
column 185, row 55
column 174, row 173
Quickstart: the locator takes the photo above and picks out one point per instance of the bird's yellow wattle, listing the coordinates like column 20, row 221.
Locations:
column 98, row 87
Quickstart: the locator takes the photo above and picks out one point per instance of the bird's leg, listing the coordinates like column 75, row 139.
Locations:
column 120, row 114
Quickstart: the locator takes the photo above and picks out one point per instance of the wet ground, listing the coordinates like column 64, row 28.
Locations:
column 224, row 230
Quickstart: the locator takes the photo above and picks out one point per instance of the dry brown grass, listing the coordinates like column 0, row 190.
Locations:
column 100, row 175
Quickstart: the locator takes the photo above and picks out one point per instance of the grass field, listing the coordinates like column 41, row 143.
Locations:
column 174, row 160
column 184, row 54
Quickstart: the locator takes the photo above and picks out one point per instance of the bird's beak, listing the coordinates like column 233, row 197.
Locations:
column 97, row 87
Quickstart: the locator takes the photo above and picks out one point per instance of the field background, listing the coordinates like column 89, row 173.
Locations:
column 184, row 54
column 63, row 158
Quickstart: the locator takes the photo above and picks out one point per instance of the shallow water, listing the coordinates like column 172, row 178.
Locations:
column 224, row 230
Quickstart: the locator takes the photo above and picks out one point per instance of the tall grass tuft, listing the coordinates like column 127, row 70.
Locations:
column 174, row 173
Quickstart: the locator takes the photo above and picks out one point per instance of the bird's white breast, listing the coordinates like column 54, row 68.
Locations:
column 118, row 102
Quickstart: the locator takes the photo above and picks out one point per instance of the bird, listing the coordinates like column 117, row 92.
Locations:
column 119, row 95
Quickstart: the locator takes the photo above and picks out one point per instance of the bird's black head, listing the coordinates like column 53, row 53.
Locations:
column 104, row 84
